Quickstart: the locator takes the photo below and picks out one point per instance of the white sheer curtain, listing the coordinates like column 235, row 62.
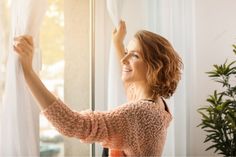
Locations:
column 116, row 93
column 20, row 114
column 2, row 32
column 2, row 46
column 176, row 22
column 173, row 19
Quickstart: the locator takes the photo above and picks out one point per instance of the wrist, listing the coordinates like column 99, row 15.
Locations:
column 118, row 43
column 28, row 73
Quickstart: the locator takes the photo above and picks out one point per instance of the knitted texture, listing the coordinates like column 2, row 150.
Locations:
column 135, row 128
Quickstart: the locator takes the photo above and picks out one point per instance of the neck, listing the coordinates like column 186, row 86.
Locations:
column 138, row 90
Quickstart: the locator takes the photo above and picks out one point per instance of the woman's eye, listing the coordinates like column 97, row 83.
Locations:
column 136, row 56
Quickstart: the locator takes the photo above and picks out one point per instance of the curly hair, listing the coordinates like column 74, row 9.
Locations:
column 163, row 63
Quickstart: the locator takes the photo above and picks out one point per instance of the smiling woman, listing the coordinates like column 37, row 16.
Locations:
column 150, row 68
column 129, row 129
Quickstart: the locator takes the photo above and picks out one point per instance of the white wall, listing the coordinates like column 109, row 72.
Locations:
column 215, row 33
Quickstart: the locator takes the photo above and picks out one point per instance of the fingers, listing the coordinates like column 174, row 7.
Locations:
column 122, row 27
column 114, row 31
column 17, row 49
column 22, row 49
column 122, row 24
column 26, row 38
column 119, row 33
column 29, row 39
column 23, row 44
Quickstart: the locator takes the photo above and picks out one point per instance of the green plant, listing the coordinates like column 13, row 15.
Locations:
column 219, row 117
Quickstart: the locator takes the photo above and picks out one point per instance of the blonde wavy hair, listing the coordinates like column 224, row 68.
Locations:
column 163, row 63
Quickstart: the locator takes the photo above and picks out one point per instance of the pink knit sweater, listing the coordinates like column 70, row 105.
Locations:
column 136, row 128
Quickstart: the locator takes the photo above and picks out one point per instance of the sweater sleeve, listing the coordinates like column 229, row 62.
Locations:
column 90, row 126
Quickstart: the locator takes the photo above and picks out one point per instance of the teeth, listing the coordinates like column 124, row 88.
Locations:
column 126, row 70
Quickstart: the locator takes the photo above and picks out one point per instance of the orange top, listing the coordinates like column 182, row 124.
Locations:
column 116, row 153
column 132, row 129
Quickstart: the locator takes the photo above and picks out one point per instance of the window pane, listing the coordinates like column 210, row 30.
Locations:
column 52, row 74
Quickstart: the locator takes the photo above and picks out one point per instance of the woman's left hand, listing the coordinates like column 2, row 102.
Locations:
column 118, row 34
column 24, row 47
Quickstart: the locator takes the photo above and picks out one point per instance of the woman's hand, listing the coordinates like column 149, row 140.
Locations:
column 24, row 47
column 118, row 34
column 118, row 37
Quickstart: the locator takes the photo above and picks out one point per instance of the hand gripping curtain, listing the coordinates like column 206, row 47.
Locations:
column 116, row 94
column 20, row 116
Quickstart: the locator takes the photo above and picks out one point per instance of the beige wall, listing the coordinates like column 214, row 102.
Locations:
column 77, row 65
column 215, row 33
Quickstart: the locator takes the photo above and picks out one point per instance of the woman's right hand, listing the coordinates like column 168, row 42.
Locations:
column 23, row 46
column 119, row 33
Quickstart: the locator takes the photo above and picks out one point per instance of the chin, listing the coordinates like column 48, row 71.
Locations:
column 126, row 79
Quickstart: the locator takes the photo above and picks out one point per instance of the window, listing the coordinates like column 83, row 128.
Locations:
column 52, row 74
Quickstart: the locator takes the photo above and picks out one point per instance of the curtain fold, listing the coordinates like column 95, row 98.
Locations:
column 20, row 114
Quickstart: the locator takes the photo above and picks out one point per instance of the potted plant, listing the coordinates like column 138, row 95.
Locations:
column 219, row 116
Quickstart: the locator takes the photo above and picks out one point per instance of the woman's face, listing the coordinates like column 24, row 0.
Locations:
column 133, row 67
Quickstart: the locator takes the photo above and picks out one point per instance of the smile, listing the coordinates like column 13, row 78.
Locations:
column 126, row 70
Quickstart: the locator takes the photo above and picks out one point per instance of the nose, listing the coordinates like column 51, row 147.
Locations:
column 124, row 60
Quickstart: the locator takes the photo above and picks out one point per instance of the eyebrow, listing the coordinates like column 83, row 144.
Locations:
column 126, row 50
column 134, row 51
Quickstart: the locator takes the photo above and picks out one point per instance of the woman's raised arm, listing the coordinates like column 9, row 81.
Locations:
column 118, row 36
column 23, row 45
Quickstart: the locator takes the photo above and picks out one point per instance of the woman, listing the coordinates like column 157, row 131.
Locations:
column 151, row 70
